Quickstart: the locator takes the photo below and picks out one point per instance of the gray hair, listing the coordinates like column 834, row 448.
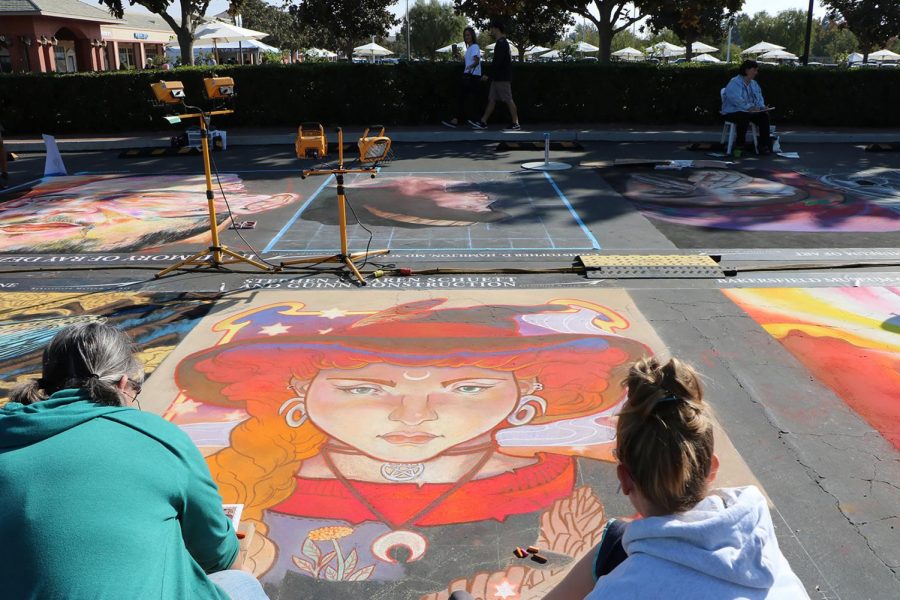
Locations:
column 89, row 356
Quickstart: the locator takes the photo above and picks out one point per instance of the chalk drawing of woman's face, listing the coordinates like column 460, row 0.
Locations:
column 109, row 213
column 409, row 414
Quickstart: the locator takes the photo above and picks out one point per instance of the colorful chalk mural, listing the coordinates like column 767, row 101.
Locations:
column 404, row 447
column 28, row 321
column 752, row 200
column 413, row 201
column 848, row 338
column 120, row 213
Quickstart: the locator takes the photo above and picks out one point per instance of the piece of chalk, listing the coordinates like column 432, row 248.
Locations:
column 538, row 558
column 520, row 552
column 533, row 549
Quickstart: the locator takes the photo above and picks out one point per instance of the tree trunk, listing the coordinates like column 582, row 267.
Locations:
column 606, row 35
column 185, row 45
column 688, row 50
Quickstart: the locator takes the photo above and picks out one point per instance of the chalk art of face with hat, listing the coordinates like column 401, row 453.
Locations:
column 413, row 201
column 116, row 213
column 443, row 401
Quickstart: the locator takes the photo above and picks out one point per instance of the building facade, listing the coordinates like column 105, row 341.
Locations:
column 46, row 36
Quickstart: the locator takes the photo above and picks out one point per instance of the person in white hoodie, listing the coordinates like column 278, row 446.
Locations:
column 690, row 542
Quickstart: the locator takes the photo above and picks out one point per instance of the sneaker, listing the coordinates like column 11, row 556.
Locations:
column 514, row 127
column 449, row 124
column 478, row 124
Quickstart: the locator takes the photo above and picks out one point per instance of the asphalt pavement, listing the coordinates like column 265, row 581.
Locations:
column 793, row 322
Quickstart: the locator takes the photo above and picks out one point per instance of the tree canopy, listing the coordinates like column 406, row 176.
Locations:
column 612, row 16
column 528, row 23
column 690, row 19
column 434, row 25
column 191, row 14
column 284, row 29
column 874, row 22
column 344, row 23
column 787, row 28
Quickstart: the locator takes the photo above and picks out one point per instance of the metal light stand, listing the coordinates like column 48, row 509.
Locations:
column 345, row 256
column 218, row 254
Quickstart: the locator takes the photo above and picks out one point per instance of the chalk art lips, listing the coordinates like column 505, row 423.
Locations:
column 419, row 438
column 414, row 201
column 26, row 228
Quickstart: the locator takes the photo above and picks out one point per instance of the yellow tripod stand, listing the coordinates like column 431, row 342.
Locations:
column 217, row 254
column 345, row 256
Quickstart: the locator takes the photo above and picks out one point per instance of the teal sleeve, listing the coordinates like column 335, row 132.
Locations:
column 207, row 531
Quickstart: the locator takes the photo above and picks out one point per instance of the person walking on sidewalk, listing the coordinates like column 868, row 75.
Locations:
column 471, row 77
column 501, row 76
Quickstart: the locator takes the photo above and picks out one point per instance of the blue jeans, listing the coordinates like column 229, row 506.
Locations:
column 239, row 585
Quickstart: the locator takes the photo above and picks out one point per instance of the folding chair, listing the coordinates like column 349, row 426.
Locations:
column 729, row 130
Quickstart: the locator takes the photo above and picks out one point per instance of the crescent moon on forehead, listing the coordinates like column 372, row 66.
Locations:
column 413, row 542
column 406, row 375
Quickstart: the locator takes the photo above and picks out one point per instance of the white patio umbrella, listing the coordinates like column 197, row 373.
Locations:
column 665, row 49
column 536, row 50
column 628, row 53
column 855, row 57
column 762, row 48
column 885, row 54
column 705, row 58
column 701, row 48
column 371, row 50
column 778, row 55
column 448, row 49
column 512, row 49
column 246, row 44
column 585, row 47
column 320, row 53
column 220, row 32
column 551, row 54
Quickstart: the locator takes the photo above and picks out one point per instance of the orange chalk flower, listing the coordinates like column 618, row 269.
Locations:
column 325, row 534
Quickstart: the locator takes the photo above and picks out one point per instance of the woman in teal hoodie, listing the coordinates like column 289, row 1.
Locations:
column 101, row 500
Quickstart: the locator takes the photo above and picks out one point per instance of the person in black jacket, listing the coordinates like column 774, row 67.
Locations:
column 501, row 75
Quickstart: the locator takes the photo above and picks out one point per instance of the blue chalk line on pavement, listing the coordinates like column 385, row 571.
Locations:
column 594, row 243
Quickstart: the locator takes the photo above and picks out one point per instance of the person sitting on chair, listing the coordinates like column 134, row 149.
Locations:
column 743, row 103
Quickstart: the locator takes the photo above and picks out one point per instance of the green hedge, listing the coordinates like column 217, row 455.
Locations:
column 424, row 93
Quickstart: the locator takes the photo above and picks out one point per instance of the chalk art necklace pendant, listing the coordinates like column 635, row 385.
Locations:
column 402, row 472
column 415, row 545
